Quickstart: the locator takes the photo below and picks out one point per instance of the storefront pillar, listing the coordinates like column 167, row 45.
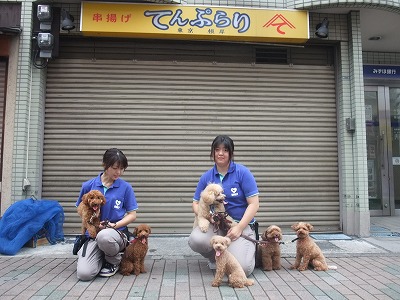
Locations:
column 354, row 180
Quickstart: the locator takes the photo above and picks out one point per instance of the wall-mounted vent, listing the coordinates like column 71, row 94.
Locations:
column 271, row 56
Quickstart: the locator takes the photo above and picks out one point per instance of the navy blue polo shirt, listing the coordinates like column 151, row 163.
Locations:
column 120, row 198
column 238, row 184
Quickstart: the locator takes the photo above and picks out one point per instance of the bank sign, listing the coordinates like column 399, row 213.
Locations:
column 194, row 22
column 381, row 71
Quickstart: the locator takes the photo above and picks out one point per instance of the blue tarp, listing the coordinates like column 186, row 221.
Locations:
column 25, row 218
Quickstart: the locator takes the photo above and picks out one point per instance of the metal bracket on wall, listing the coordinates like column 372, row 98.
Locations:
column 351, row 124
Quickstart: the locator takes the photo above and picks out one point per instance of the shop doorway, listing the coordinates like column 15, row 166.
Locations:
column 382, row 118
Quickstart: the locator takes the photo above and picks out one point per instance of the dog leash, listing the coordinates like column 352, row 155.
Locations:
column 221, row 221
column 258, row 242
column 265, row 242
column 122, row 235
column 94, row 215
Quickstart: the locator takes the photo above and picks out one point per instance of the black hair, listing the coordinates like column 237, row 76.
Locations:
column 114, row 156
column 224, row 140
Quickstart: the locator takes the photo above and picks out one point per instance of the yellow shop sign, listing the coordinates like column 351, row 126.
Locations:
column 194, row 22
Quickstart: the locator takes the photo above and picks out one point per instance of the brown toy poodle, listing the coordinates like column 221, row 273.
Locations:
column 271, row 252
column 307, row 251
column 89, row 210
column 211, row 197
column 227, row 264
column 134, row 255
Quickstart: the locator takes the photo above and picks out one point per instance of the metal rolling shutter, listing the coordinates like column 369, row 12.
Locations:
column 164, row 115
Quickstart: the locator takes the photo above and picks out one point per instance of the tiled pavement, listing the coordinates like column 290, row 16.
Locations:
column 358, row 277
column 366, row 269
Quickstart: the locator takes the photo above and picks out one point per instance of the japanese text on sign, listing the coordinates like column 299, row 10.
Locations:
column 193, row 22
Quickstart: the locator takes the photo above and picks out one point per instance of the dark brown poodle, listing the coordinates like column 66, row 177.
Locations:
column 271, row 252
column 89, row 210
column 134, row 255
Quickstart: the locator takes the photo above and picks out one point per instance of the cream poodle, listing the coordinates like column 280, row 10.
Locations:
column 211, row 205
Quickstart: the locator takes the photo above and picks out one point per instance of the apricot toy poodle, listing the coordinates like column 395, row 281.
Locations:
column 89, row 210
column 307, row 251
column 227, row 264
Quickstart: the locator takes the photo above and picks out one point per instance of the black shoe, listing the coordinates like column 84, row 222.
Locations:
column 108, row 270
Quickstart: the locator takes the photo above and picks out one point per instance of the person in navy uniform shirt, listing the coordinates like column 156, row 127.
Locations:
column 103, row 255
column 242, row 204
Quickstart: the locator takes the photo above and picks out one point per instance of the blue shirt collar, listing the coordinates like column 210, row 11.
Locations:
column 230, row 170
column 100, row 184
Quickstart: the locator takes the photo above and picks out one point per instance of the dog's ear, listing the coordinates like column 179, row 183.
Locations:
column 264, row 236
column 295, row 226
column 149, row 230
column 309, row 226
column 135, row 231
column 208, row 196
column 103, row 199
column 228, row 240
column 213, row 239
column 85, row 199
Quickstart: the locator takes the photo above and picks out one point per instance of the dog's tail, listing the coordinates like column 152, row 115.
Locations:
column 332, row 267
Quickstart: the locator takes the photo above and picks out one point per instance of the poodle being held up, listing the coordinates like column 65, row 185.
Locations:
column 271, row 252
column 211, row 203
column 89, row 210
column 227, row 264
column 134, row 255
column 307, row 251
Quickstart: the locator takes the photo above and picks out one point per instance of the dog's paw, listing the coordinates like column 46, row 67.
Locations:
column 125, row 273
column 236, row 285
column 204, row 228
column 293, row 268
column 215, row 283
column 249, row 282
column 92, row 232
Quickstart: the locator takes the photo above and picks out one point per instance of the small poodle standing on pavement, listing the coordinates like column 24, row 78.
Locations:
column 227, row 264
column 307, row 251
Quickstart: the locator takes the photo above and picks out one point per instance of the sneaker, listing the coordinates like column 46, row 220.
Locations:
column 212, row 265
column 108, row 270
